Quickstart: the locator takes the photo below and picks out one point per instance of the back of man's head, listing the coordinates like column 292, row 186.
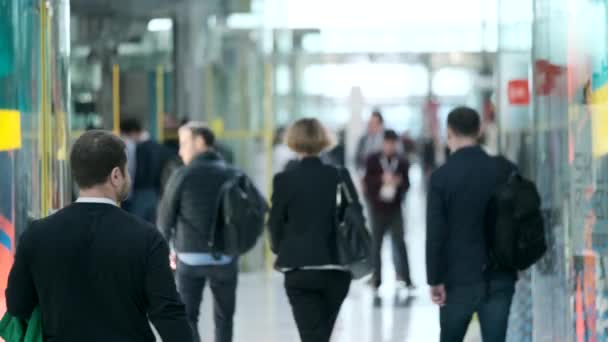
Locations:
column 377, row 114
column 391, row 135
column 200, row 129
column 130, row 126
column 94, row 156
column 464, row 122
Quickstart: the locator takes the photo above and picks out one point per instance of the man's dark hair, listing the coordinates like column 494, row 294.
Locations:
column 200, row 129
column 378, row 115
column 464, row 121
column 94, row 155
column 130, row 125
column 390, row 135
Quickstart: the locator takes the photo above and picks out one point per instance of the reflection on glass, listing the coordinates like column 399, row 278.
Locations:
column 33, row 81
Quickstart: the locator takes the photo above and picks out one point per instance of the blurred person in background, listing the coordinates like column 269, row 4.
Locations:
column 409, row 145
column 186, row 216
column 303, row 232
column 282, row 155
column 146, row 163
column 336, row 156
column 371, row 142
column 386, row 184
column 429, row 159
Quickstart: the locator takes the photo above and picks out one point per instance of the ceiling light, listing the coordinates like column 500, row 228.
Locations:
column 160, row 24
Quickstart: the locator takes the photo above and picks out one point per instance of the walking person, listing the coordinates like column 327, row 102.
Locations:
column 462, row 277
column 186, row 215
column 371, row 141
column 96, row 272
column 302, row 228
column 386, row 184
column 146, row 163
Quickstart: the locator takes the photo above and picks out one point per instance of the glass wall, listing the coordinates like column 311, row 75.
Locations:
column 560, row 140
column 514, row 120
column 571, row 138
column 34, row 52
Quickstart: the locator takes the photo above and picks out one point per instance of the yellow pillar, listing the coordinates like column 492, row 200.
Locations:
column 160, row 103
column 268, row 133
column 116, row 98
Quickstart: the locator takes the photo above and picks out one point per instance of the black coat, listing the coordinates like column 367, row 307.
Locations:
column 189, row 203
column 458, row 199
column 152, row 158
column 98, row 274
column 302, row 219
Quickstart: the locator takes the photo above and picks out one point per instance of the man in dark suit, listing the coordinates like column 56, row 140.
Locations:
column 386, row 184
column 97, row 273
column 146, row 163
column 462, row 278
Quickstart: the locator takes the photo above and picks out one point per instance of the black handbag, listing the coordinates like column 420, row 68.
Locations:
column 352, row 237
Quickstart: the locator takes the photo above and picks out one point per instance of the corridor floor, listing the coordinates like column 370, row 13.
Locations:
column 264, row 314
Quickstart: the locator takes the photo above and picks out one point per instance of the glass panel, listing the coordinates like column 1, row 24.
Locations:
column 452, row 82
column 59, row 84
column 33, row 81
column 561, row 142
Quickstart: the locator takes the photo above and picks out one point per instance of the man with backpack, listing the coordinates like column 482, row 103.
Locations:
column 464, row 270
column 198, row 201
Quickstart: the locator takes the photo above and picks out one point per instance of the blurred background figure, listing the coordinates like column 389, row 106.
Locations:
column 281, row 154
column 409, row 144
column 147, row 160
column 336, row 156
column 428, row 157
column 370, row 142
column 386, row 184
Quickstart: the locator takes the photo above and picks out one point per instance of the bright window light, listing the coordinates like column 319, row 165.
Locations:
column 160, row 24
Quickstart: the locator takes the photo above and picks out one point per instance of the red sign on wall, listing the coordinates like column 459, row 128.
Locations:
column 519, row 92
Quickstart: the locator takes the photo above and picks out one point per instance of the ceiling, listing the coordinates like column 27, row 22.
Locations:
column 148, row 8
column 127, row 8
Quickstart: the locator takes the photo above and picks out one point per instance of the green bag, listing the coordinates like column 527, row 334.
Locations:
column 11, row 328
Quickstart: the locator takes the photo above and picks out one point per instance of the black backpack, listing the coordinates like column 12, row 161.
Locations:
column 517, row 235
column 240, row 216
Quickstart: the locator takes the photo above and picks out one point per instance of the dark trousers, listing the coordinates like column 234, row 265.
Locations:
column 316, row 298
column 381, row 223
column 491, row 301
column 222, row 280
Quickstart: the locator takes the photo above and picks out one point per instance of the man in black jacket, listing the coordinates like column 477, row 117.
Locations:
column 97, row 273
column 462, row 278
column 186, row 214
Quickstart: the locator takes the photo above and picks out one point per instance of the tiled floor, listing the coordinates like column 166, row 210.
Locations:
column 263, row 313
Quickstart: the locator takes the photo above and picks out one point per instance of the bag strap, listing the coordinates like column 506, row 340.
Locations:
column 505, row 170
column 343, row 187
column 218, row 207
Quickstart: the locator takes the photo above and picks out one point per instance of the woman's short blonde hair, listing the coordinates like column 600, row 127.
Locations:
column 308, row 136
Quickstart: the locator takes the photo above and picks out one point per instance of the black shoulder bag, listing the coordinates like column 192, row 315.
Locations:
column 352, row 237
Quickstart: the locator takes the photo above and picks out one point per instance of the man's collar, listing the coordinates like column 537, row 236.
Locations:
column 209, row 155
column 102, row 200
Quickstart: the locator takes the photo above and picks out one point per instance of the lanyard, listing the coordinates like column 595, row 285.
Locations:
column 389, row 166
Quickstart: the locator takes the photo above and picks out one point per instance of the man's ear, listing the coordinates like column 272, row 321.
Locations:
column 115, row 176
column 199, row 143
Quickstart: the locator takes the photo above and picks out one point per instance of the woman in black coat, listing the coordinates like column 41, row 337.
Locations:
column 303, row 233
